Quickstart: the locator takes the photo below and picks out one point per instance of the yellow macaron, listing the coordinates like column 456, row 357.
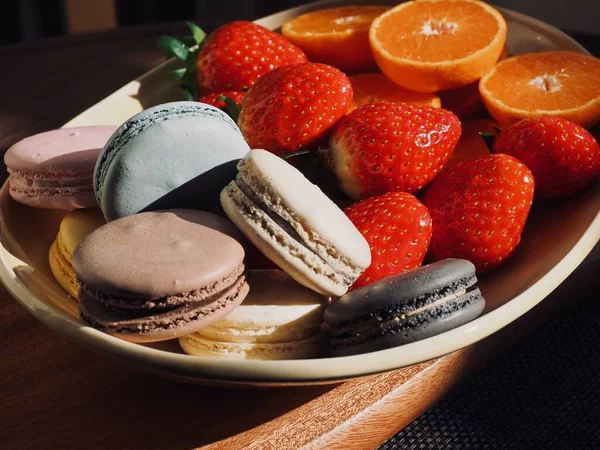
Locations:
column 74, row 227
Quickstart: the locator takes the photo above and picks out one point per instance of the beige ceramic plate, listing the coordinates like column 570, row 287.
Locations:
column 556, row 240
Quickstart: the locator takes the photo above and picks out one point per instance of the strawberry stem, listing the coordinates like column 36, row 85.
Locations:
column 232, row 107
column 294, row 154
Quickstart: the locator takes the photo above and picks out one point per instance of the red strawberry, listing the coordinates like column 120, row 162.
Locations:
column 215, row 100
column 237, row 54
column 479, row 210
column 294, row 107
column 383, row 147
column 563, row 157
column 398, row 229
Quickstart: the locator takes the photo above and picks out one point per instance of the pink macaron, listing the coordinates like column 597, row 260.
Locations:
column 55, row 169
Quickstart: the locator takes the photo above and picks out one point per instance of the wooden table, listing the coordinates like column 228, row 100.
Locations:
column 54, row 394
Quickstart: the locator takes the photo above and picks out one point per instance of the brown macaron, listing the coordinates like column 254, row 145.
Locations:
column 160, row 275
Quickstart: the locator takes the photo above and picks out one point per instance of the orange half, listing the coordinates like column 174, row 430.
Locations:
column 375, row 87
column 335, row 36
column 555, row 83
column 430, row 46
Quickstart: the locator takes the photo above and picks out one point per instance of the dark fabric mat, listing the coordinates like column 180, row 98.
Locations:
column 542, row 394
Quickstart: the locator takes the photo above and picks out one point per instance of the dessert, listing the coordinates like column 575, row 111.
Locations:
column 398, row 229
column 376, row 87
column 294, row 224
column 54, row 169
column 562, row 156
column 479, row 209
column 160, row 275
column 384, row 147
column 553, row 83
column 74, row 227
column 337, row 36
column 175, row 155
column 279, row 319
column 430, row 46
column 294, row 107
column 405, row 308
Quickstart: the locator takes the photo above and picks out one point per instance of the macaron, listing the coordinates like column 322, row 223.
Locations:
column 54, row 169
column 295, row 224
column 404, row 308
column 175, row 155
column 279, row 319
column 160, row 275
column 74, row 227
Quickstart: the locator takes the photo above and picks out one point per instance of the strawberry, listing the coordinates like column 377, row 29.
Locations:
column 294, row 107
column 479, row 210
column 563, row 157
column 237, row 54
column 215, row 99
column 383, row 147
column 398, row 229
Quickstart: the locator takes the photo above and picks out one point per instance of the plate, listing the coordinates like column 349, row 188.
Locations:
column 556, row 240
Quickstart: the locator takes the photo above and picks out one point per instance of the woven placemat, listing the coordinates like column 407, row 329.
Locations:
column 542, row 394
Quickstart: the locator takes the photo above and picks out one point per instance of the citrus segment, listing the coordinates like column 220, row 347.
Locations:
column 375, row 88
column 429, row 46
column 555, row 83
column 335, row 36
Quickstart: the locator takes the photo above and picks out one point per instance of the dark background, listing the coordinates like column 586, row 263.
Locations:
column 29, row 20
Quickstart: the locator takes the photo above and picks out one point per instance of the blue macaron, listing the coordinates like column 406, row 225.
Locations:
column 175, row 155
column 404, row 308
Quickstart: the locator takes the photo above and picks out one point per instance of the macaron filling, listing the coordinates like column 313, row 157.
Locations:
column 129, row 302
column 128, row 321
column 258, row 193
column 401, row 317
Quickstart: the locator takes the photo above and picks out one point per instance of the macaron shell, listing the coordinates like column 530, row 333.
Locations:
column 177, row 155
column 462, row 310
column 279, row 247
column 160, row 327
column 64, row 198
column 76, row 226
column 63, row 271
column 198, row 346
column 276, row 310
column 449, row 275
column 308, row 202
column 65, row 151
column 159, row 254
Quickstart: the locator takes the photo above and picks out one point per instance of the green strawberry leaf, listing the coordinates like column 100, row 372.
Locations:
column 232, row 107
column 489, row 139
column 197, row 32
column 188, row 84
column 173, row 47
column 179, row 73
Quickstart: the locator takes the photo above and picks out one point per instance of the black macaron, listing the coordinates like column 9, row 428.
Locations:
column 404, row 308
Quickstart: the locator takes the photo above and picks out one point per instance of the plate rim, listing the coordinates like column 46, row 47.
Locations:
column 297, row 371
